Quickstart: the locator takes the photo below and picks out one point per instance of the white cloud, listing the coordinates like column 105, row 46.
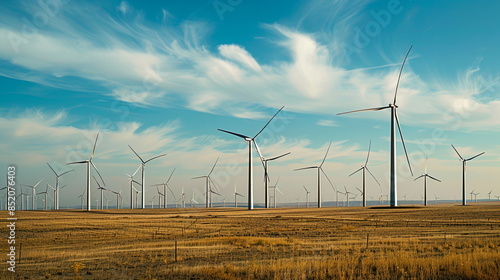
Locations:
column 330, row 123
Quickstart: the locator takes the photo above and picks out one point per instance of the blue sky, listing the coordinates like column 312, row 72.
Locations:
column 163, row 76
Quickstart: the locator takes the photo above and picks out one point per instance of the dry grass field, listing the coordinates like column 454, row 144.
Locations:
column 435, row 242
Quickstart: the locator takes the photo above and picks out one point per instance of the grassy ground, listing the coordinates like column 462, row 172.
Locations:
column 435, row 242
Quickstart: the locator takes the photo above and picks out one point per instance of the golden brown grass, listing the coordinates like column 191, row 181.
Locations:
column 439, row 242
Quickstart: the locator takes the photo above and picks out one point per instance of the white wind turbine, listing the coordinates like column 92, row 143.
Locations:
column 251, row 140
column 275, row 187
column 57, row 189
column 394, row 121
column 464, row 161
column 425, row 176
column 165, row 187
column 208, row 187
column 132, row 181
column 143, row 174
column 33, row 194
column 193, row 201
column 489, row 195
column 236, row 194
column 266, row 177
column 45, row 193
column 319, row 167
column 471, row 194
column 365, row 168
column 89, row 162
column 475, row 197
column 307, row 196
column 101, row 189
column 347, row 195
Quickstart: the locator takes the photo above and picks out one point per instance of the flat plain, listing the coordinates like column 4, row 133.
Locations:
column 433, row 242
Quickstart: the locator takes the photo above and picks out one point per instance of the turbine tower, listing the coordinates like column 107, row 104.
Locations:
column 307, row 196
column 89, row 162
column 425, row 176
column 236, row 194
column 319, row 167
column 33, row 194
column 132, row 189
column 57, row 189
column 266, row 177
column 251, row 140
column 143, row 173
column 464, row 162
column 394, row 121
column 365, row 168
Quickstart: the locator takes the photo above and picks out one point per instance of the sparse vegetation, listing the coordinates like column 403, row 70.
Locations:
column 444, row 242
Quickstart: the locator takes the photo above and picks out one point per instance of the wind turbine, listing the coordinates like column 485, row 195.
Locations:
column 347, row 194
column 365, row 167
column 394, row 120
column 471, row 194
column 435, row 199
column 497, row 196
column 46, row 192
column 489, row 195
column 159, row 197
column 89, row 162
column 102, row 189
column 165, row 187
column 251, row 140
column 425, row 176
column 208, row 189
column 143, row 174
column 132, row 181
column 56, row 196
column 337, row 197
column 22, row 194
column 319, row 174
column 276, row 189
column 236, row 194
column 33, row 194
column 266, row 177
column 193, row 200
column 475, row 197
column 464, row 162
column 307, row 196
column 363, row 195
column 118, row 195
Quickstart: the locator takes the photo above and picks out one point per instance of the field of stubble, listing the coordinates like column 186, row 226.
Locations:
column 435, row 242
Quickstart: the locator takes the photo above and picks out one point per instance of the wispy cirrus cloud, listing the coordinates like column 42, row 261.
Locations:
column 123, row 55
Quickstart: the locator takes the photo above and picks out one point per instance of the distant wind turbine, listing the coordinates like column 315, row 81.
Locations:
column 143, row 174
column 89, row 162
column 347, row 194
column 319, row 174
column 489, row 195
column 266, row 177
column 33, row 194
column 275, row 187
column 132, row 181
column 307, row 196
column 464, row 162
column 251, row 140
column 208, row 188
column 165, row 187
column 394, row 120
column 236, row 194
column 425, row 176
column 56, row 195
column 365, row 167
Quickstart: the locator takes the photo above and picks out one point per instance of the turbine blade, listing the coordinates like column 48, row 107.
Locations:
column 326, row 154
column 328, row 178
column 52, row 169
column 270, row 159
column 95, row 168
column 305, row 189
column 423, row 175
column 99, row 185
column 136, row 154
column 260, row 156
column 403, row 141
column 280, row 191
column 170, row 176
column 400, row 72
column 234, row 133
column 359, row 190
column 457, row 152
column 372, row 175
column 355, row 172
column 268, row 123
column 93, row 149
column 37, row 183
column 77, row 162
column 213, row 167
column 434, row 178
column 310, row 167
column 66, row 172
column 362, row 110
column 368, row 156
column 474, row 156
column 140, row 165
column 199, row 177
column 162, row 155
column 175, row 198
column 239, row 195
